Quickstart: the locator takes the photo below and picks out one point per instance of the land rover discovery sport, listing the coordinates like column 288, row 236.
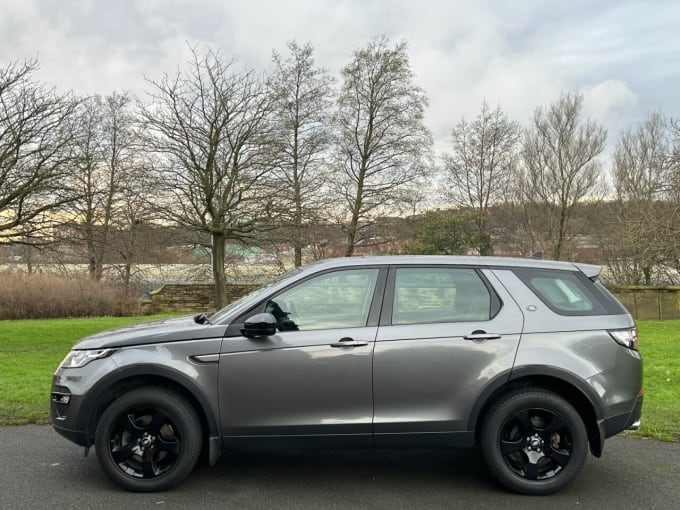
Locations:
column 534, row 361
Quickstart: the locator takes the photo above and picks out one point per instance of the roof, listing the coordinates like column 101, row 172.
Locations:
column 497, row 262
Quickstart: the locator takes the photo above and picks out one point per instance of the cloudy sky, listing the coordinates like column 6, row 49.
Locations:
column 624, row 56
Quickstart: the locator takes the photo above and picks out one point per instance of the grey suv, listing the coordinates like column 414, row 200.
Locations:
column 534, row 361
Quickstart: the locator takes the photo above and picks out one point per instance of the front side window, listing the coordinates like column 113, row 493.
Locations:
column 220, row 314
column 340, row 299
column 431, row 295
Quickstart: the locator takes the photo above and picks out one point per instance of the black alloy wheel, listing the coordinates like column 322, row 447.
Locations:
column 148, row 440
column 534, row 442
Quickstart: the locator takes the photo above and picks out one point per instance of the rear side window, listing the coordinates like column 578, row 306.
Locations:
column 432, row 295
column 565, row 292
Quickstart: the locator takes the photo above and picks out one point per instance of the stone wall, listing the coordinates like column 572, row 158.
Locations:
column 644, row 303
column 190, row 297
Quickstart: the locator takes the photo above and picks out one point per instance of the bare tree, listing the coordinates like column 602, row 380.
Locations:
column 640, row 242
column 134, row 219
column 35, row 153
column 106, row 152
column 560, row 169
column 642, row 160
column 674, row 197
column 480, row 166
column 302, row 109
column 209, row 125
column 382, row 141
column 417, row 202
column 674, row 163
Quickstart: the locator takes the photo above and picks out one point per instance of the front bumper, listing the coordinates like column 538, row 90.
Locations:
column 69, row 411
column 64, row 412
column 78, row 437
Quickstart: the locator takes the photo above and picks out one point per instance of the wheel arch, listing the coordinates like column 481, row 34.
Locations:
column 573, row 389
column 116, row 384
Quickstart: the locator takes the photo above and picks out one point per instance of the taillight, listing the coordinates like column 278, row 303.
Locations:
column 626, row 337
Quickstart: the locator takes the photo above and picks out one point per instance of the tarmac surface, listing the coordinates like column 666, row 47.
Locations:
column 40, row 469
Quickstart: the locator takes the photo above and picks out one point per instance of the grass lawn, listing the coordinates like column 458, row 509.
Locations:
column 660, row 347
column 31, row 350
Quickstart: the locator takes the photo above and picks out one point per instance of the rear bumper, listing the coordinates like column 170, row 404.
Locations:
column 626, row 421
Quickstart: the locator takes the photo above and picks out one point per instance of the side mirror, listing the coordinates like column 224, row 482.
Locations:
column 262, row 324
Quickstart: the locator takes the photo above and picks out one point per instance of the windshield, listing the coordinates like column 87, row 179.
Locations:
column 220, row 314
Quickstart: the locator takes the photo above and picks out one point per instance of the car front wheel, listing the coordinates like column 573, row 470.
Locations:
column 148, row 439
column 534, row 442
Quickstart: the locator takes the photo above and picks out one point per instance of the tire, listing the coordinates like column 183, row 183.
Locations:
column 534, row 442
column 148, row 439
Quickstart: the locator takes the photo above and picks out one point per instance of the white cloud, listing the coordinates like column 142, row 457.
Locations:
column 608, row 98
column 621, row 54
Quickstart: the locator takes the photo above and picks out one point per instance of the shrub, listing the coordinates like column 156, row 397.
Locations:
column 41, row 296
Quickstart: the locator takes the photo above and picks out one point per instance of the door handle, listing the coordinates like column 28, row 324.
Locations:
column 347, row 343
column 482, row 335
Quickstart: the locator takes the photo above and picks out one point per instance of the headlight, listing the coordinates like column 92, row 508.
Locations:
column 77, row 359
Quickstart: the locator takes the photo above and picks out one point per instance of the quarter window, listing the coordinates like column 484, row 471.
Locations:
column 431, row 295
column 564, row 292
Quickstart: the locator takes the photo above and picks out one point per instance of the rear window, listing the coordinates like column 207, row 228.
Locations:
column 566, row 292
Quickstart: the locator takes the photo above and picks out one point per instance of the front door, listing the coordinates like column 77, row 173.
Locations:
column 313, row 377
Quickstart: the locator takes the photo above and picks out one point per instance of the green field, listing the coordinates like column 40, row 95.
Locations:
column 31, row 350
column 660, row 347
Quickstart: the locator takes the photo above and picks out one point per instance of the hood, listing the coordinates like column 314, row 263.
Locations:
column 151, row 332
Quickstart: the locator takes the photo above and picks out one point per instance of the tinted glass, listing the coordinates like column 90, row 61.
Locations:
column 431, row 295
column 341, row 299
column 220, row 314
column 612, row 304
column 565, row 292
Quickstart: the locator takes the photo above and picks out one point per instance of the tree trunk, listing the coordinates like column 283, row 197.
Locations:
column 99, row 266
column 354, row 222
column 351, row 235
column 298, row 219
column 127, row 273
column 28, row 258
column 92, row 267
column 485, row 244
column 217, row 251
column 560, row 243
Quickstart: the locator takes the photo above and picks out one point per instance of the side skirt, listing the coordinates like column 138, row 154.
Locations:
column 351, row 441
column 425, row 440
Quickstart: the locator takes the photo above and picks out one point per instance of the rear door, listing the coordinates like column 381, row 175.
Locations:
column 445, row 333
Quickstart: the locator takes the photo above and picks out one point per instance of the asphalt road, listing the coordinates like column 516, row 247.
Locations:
column 39, row 469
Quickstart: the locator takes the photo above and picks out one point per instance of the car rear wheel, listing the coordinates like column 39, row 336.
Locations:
column 534, row 442
column 148, row 439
